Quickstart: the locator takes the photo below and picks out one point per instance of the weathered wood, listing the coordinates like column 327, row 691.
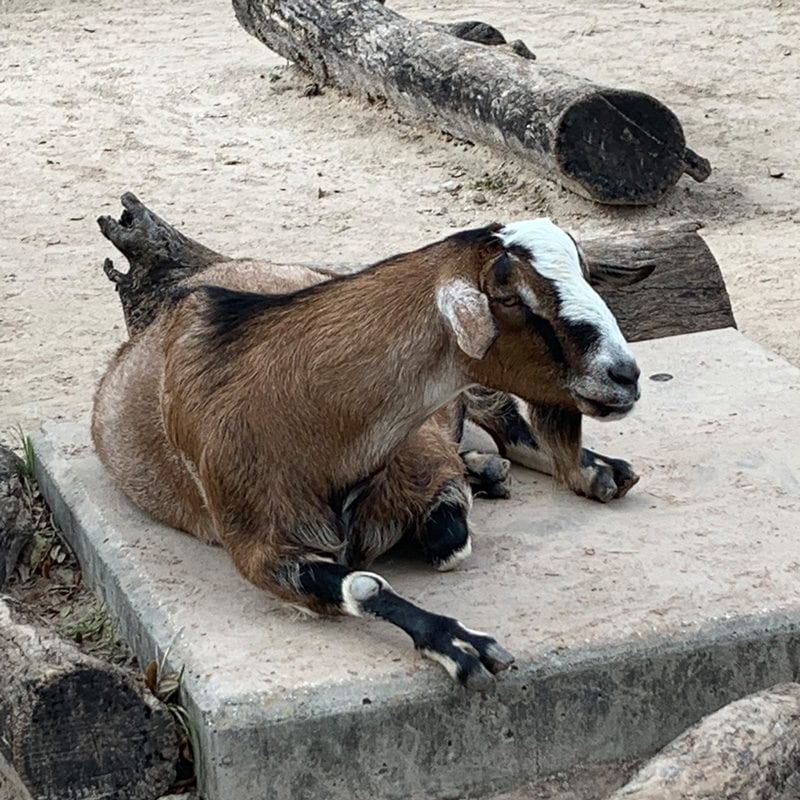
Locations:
column 75, row 728
column 684, row 293
column 611, row 145
column 16, row 525
column 160, row 257
column 747, row 750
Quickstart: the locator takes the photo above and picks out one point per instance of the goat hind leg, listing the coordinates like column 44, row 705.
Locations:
column 422, row 493
column 469, row 657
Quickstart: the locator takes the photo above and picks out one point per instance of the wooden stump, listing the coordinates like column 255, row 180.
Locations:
column 747, row 750
column 72, row 726
column 683, row 292
column 611, row 145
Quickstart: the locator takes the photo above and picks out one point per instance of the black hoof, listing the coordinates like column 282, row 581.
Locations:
column 470, row 657
column 606, row 478
column 488, row 474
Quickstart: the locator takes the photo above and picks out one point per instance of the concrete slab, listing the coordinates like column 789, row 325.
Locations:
column 629, row 621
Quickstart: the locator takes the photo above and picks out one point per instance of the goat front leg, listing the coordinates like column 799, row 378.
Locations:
column 469, row 657
column 548, row 440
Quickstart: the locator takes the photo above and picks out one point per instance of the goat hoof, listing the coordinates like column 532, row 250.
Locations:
column 469, row 656
column 604, row 479
column 489, row 474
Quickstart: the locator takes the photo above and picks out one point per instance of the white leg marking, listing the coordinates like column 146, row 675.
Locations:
column 456, row 558
column 466, row 647
column 533, row 458
column 358, row 587
column 474, row 633
column 445, row 661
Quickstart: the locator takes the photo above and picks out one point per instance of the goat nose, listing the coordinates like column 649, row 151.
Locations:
column 625, row 373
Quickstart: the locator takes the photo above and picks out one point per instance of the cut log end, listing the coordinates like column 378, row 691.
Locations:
column 621, row 147
column 75, row 726
column 90, row 723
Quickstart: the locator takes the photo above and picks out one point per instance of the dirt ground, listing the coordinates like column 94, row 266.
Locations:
column 176, row 102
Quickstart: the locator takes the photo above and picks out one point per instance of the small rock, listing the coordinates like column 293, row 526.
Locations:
column 479, row 198
column 429, row 191
column 787, row 51
column 312, row 90
column 451, row 187
column 775, row 173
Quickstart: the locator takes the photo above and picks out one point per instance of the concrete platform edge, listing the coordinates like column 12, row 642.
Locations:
column 425, row 737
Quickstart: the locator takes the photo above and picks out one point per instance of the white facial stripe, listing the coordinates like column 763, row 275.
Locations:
column 555, row 257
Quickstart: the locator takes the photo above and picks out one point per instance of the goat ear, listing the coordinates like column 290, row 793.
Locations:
column 466, row 310
column 601, row 274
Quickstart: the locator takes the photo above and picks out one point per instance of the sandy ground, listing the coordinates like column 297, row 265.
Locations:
column 176, row 102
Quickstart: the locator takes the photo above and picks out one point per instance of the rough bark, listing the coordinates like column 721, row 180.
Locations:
column 16, row 525
column 160, row 257
column 611, row 145
column 684, row 293
column 74, row 727
column 747, row 750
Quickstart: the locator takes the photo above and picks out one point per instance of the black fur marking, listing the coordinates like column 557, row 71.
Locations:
column 178, row 294
column 517, row 430
column 483, row 235
column 503, row 269
column 437, row 633
column 445, row 532
column 583, row 334
column 545, row 330
column 521, row 252
column 322, row 580
column 460, row 418
column 229, row 310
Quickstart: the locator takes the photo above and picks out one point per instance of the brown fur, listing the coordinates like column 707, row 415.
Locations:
column 249, row 442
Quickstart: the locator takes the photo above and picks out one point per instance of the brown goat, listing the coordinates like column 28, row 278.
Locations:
column 307, row 423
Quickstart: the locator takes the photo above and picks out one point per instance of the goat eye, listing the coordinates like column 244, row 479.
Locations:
column 509, row 301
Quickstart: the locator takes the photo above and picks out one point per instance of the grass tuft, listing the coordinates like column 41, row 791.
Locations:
column 166, row 686
column 28, row 456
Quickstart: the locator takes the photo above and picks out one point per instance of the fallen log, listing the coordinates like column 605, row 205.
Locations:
column 16, row 525
column 747, row 750
column 611, row 145
column 72, row 726
column 684, row 291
